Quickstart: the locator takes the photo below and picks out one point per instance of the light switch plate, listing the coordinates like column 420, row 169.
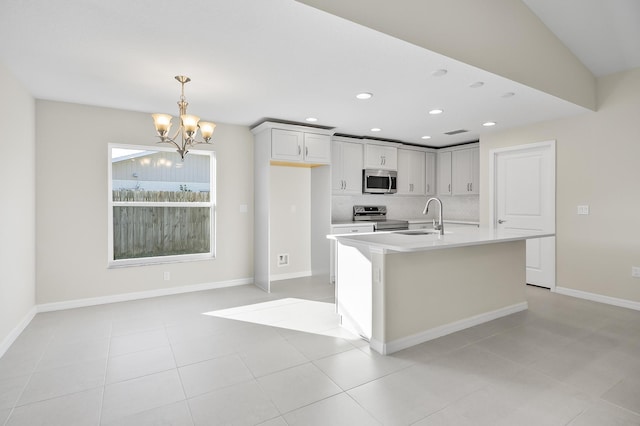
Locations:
column 583, row 209
column 635, row 271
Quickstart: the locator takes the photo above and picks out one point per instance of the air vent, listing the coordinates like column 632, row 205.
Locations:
column 455, row 132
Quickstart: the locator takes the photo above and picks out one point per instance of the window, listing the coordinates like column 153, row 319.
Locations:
column 161, row 209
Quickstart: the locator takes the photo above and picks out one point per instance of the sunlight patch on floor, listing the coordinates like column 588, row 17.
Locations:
column 290, row 313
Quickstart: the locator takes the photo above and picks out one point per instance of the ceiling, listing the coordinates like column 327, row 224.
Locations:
column 250, row 60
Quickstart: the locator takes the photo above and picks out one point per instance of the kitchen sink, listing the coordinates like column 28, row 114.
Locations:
column 419, row 232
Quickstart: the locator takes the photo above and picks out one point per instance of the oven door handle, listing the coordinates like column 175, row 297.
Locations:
column 389, row 183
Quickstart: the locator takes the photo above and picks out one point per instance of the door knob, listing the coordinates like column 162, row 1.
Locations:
column 500, row 221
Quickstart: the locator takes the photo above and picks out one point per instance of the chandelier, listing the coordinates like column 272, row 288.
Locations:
column 189, row 125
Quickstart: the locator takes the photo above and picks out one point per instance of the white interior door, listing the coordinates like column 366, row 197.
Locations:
column 524, row 199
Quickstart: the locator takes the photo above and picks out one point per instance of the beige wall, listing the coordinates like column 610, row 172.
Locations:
column 18, row 204
column 598, row 163
column 290, row 219
column 72, row 205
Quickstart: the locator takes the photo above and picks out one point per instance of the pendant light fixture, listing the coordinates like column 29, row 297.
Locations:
column 189, row 125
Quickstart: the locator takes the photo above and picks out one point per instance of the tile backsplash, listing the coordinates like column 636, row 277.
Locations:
column 464, row 207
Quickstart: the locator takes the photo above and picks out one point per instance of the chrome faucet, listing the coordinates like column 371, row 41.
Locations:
column 440, row 225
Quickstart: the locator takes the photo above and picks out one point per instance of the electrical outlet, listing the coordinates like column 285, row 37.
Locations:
column 283, row 259
column 167, row 276
column 583, row 209
column 635, row 271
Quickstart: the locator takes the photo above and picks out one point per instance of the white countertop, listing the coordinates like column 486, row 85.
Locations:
column 399, row 241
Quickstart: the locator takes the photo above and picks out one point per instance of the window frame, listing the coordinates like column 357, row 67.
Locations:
column 155, row 260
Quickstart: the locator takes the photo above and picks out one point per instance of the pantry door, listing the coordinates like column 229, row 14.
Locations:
column 523, row 198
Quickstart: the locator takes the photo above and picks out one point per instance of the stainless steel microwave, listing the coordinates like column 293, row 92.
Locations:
column 376, row 181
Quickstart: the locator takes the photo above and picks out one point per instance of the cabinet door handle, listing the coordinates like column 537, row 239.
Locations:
column 449, row 188
column 471, row 186
column 427, row 187
column 299, row 150
column 306, row 151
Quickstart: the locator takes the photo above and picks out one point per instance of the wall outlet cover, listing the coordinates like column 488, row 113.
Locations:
column 635, row 271
column 583, row 210
column 283, row 259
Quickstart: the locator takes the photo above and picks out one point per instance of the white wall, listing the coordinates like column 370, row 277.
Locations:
column 72, row 205
column 17, row 206
column 290, row 224
column 598, row 163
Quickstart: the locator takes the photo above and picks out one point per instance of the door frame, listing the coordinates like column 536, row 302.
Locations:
column 493, row 173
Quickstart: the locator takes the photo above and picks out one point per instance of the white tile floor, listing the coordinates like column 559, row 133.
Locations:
column 190, row 360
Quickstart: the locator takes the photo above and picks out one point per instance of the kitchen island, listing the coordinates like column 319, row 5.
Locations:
column 399, row 289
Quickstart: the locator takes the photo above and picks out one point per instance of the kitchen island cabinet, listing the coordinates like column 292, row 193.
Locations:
column 399, row 289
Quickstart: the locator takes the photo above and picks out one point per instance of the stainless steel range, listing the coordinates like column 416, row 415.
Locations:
column 378, row 216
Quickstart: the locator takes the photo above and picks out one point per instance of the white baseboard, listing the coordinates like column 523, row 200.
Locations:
column 623, row 303
column 125, row 297
column 280, row 277
column 6, row 343
column 443, row 330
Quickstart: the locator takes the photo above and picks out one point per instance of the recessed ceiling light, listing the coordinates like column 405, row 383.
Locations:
column 311, row 119
column 489, row 123
column 364, row 95
column 376, row 129
column 426, row 137
column 476, row 85
column 508, row 95
column 436, row 111
column 439, row 73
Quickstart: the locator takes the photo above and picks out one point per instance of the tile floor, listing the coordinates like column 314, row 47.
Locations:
column 188, row 360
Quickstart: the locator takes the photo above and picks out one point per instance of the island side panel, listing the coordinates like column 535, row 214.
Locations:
column 354, row 288
column 428, row 290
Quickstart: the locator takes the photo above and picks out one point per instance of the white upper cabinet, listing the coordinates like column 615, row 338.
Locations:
column 430, row 173
column 346, row 168
column 465, row 176
column 317, row 148
column 444, row 172
column 286, row 145
column 382, row 157
column 296, row 146
column 411, row 172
